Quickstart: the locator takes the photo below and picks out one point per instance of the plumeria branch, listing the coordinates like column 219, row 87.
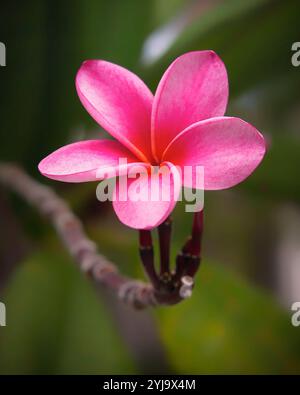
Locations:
column 96, row 266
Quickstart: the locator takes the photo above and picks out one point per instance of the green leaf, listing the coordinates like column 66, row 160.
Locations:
column 227, row 326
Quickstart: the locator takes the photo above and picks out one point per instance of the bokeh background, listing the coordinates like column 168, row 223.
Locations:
column 238, row 319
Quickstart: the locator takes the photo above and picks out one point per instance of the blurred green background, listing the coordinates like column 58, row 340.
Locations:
column 238, row 319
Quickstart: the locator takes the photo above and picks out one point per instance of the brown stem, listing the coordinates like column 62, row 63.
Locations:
column 193, row 244
column 71, row 232
column 100, row 270
column 188, row 260
column 147, row 256
column 164, row 233
column 145, row 239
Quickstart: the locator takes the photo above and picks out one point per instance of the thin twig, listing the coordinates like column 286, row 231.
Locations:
column 70, row 230
column 82, row 249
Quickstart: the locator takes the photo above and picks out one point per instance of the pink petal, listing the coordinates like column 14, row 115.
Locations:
column 228, row 148
column 150, row 210
column 194, row 88
column 119, row 101
column 81, row 161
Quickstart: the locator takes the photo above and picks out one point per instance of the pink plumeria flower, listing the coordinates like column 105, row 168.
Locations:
column 183, row 124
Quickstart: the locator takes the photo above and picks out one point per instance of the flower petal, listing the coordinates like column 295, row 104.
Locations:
column 84, row 160
column 119, row 101
column 194, row 88
column 148, row 199
column 228, row 148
